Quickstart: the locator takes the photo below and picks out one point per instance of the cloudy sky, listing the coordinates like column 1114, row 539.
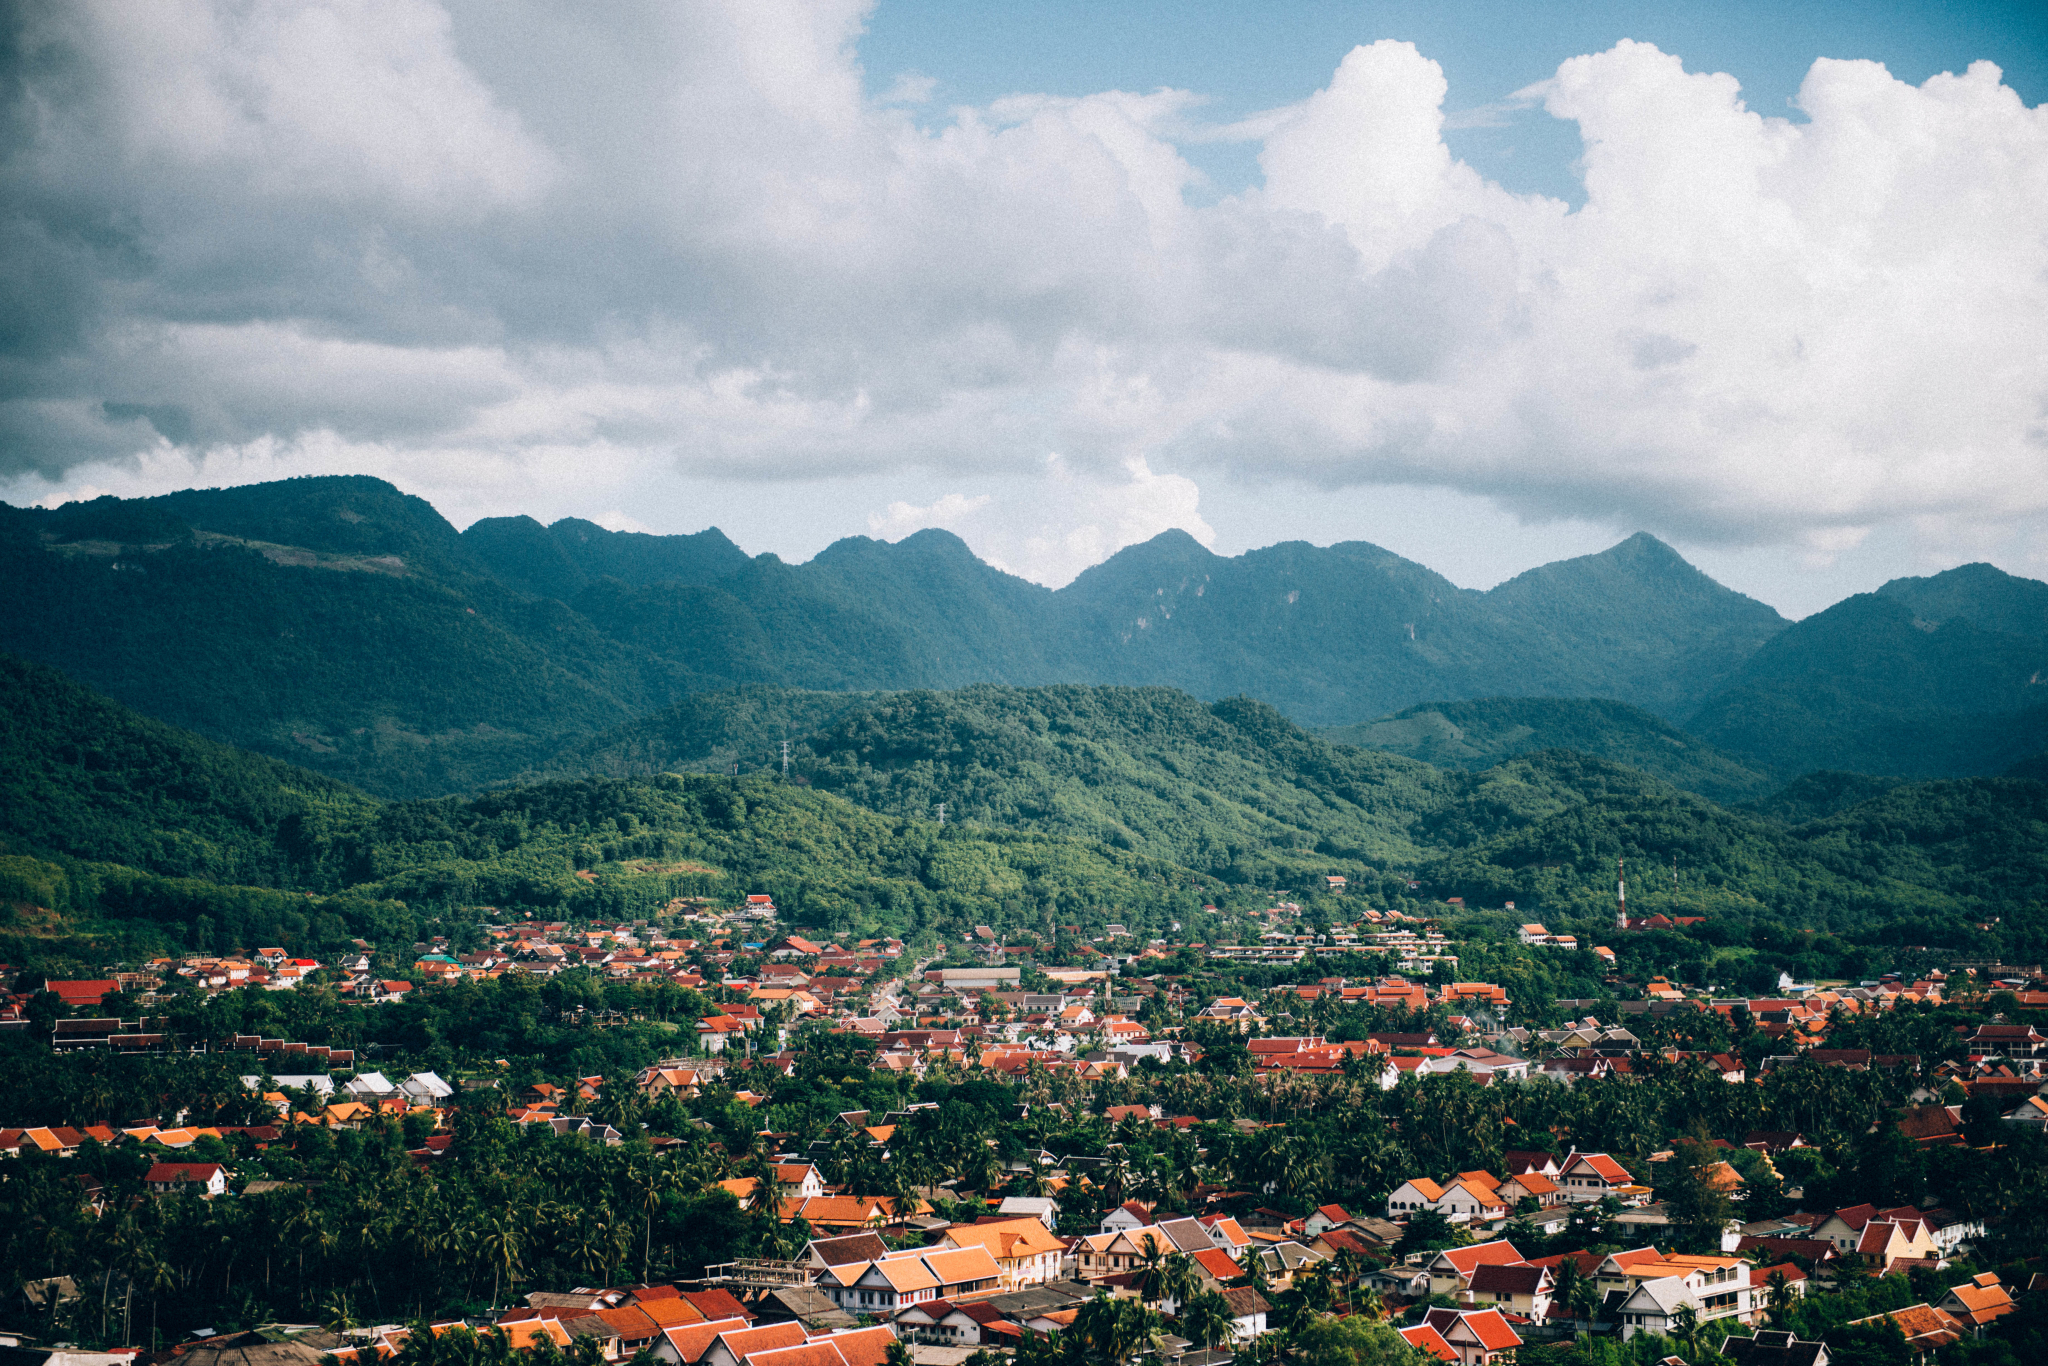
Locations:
column 1485, row 283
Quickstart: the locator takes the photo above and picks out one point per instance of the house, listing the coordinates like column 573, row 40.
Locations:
column 820, row 1253
column 2031, row 1113
column 1844, row 1228
column 1477, row 1337
column 1126, row 1217
column 208, row 1178
column 1450, row 1271
column 1530, row 1185
column 1513, row 1289
column 714, row 1033
column 1541, row 1163
column 946, row 1324
column 1587, row 1177
column 1996, row 1041
column 1977, row 1301
column 1427, row 1340
column 1468, row 1200
column 1328, row 1216
column 1413, row 1195
column 1043, row 1208
column 1884, row 1243
column 1248, row 1311
column 1025, row 1251
column 733, row 1346
column 1712, row 1287
column 1925, row 1328
column 1774, row 1349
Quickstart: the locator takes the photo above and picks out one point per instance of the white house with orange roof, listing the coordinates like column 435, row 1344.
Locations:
column 1479, row 1337
column 1450, row 1271
column 1413, row 1196
column 1588, row 1177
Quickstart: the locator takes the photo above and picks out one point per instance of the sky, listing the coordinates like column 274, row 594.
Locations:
column 1487, row 284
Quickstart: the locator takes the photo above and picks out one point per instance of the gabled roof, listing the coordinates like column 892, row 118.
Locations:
column 861, row 1346
column 1426, row 1188
column 820, row 1353
column 742, row 1342
column 718, row 1304
column 1508, row 1279
column 1217, row 1263
column 1427, row 1339
column 691, row 1341
column 1601, row 1165
column 905, row 1274
column 1010, row 1238
column 1466, row 1260
column 1484, row 1326
column 958, row 1266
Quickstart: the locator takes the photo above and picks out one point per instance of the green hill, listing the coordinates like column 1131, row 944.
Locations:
column 1944, row 676
column 342, row 625
column 1065, row 805
column 1482, row 732
column 85, row 777
column 142, row 838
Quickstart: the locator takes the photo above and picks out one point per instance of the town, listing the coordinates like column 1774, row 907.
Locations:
column 787, row 1149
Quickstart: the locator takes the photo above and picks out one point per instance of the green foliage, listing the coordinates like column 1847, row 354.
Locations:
column 1926, row 677
column 371, row 642
column 1481, row 733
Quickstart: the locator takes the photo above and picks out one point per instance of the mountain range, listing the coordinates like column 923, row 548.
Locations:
column 345, row 626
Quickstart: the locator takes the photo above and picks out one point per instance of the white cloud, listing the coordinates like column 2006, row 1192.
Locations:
column 569, row 255
column 1050, row 527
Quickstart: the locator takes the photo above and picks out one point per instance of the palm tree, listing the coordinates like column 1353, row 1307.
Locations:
column 1685, row 1326
column 1178, row 1278
column 1780, row 1299
column 500, row 1243
column 1151, row 1282
column 1207, row 1319
column 1255, row 1272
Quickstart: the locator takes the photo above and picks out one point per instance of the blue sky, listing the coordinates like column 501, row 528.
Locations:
column 1245, row 57
column 804, row 269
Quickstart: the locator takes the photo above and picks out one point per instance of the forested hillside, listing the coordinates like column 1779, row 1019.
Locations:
column 1065, row 805
column 342, row 625
column 1480, row 733
column 1945, row 676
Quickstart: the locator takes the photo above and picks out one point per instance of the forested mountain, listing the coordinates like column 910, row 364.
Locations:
column 1480, row 733
column 1945, row 676
column 342, row 625
column 1065, row 805
column 348, row 627
column 1332, row 636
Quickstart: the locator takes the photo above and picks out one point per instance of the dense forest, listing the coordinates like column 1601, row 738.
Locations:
column 1065, row 805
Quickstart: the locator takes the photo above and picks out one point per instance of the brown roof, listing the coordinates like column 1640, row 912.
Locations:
column 717, row 1304
column 854, row 1247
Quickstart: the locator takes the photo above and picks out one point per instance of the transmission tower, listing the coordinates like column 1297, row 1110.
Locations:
column 942, row 815
column 785, row 761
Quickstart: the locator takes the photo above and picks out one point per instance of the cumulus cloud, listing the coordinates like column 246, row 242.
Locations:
column 494, row 249
column 1051, row 525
